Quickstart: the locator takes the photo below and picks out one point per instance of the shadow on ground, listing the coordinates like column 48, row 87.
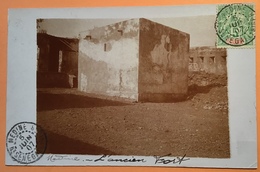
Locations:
column 58, row 144
column 48, row 101
column 143, row 129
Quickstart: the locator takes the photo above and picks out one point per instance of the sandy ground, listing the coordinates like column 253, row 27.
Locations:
column 80, row 123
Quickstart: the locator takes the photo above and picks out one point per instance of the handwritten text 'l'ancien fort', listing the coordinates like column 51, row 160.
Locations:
column 108, row 158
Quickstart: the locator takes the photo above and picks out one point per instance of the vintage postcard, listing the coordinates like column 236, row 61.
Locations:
column 172, row 86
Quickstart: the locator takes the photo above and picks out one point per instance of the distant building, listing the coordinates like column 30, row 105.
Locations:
column 57, row 61
column 208, row 59
column 137, row 59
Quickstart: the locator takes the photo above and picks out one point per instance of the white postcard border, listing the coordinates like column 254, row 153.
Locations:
column 21, row 82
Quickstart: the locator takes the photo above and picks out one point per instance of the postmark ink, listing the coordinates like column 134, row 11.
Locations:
column 235, row 25
column 26, row 142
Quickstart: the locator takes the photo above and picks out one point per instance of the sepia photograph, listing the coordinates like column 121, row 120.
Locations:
column 162, row 86
column 132, row 87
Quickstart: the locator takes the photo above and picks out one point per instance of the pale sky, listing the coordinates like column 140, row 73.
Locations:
column 200, row 28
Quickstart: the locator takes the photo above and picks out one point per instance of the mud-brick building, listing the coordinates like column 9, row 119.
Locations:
column 137, row 59
column 57, row 61
column 209, row 59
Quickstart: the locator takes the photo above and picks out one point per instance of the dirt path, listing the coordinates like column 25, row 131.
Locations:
column 81, row 123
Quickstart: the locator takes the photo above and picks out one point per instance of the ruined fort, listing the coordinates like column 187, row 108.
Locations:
column 136, row 59
column 57, row 61
column 208, row 59
column 94, row 91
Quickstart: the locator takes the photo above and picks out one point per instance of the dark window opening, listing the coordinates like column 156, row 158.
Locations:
column 105, row 47
column 121, row 32
column 224, row 58
column 191, row 60
column 212, row 59
column 202, row 59
column 88, row 37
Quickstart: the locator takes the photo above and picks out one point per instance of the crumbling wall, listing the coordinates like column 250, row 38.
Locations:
column 69, row 63
column 208, row 59
column 54, row 80
column 163, row 63
column 207, row 79
column 57, row 61
column 108, row 60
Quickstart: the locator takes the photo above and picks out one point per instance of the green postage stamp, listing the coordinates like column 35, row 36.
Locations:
column 235, row 26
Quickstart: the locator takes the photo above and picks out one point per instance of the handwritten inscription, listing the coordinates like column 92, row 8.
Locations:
column 174, row 160
column 108, row 159
column 103, row 158
column 112, row 159
column 53, row 158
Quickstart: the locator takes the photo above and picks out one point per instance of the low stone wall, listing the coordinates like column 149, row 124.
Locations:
column 206, row 79
column 53, row 79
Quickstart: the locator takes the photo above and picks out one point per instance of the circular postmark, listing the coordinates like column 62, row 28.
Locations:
column 235, row 24
column 26, row 142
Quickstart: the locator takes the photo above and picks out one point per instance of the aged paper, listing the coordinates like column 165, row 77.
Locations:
column 174, row 86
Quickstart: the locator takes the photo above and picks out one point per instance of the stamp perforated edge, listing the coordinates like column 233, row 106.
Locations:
column 221, row 44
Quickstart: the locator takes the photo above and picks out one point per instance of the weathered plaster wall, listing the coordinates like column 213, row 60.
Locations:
column 69, row 63
column 208, row 59
column 163, row 62
column 49, row 71
column 108, row 60
column 54, row 79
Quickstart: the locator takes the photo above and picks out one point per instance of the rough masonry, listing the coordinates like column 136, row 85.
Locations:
column 137, row 59
column 208, row 59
